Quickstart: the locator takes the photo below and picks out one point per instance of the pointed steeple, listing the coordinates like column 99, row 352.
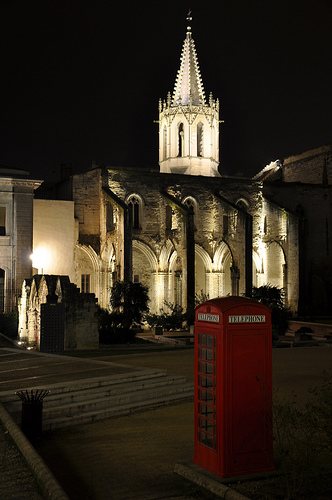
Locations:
column 188, row 82
column 188, row 124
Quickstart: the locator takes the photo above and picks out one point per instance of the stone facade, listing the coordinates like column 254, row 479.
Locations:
column 311, row 167
column 302, row 184
column 181, row 235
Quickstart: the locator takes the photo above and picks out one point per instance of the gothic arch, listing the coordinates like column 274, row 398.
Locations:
column 147, row 252
column 204, row 256
column 203, row 266
column 223, row 262
column 88, row 263
column 242, row 203
column 222, row 253
column 164, row 259
column 190, row 202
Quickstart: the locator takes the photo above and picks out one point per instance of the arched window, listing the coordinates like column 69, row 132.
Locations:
column 110, row 226
column 181, row 140
column 243, row 204
column 168, row 217
column 200, row 139
column 165, row 143
column 190, row 203
column 134, row 205
column 2, row 221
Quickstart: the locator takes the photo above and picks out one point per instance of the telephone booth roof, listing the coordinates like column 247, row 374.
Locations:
column 226, row 303
column 246, row 310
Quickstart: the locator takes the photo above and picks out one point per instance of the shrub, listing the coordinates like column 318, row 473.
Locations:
column 201, row 297
column 273, row 297
column 110, row 329
column 172, row 318
column 129, row 302
column 9, row 324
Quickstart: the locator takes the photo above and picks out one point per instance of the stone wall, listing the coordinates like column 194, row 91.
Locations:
column 311, row 167
column 54, row 237
column 81, row 326
column 313, row 206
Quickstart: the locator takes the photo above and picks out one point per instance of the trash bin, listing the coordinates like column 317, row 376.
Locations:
column 32, row 413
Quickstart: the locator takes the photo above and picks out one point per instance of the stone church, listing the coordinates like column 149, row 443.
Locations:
column 186, row 230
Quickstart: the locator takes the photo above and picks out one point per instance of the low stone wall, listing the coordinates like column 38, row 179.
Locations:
column 318, row 329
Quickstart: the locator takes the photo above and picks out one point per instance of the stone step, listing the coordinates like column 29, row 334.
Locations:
column 103, row 397
column 117, row 411
column 71, row 387
column 92, row 403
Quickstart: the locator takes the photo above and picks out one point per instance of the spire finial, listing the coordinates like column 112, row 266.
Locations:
column 189, row 19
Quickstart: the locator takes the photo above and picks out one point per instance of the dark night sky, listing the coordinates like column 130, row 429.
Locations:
column 81, row 80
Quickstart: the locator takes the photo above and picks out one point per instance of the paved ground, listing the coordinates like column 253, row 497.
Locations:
column 16, row 479
column 134, row 456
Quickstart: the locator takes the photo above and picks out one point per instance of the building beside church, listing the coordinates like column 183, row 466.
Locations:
column 16, row 223
column 303, row 184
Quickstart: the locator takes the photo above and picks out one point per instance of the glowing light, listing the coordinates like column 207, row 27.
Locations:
column 40, row 259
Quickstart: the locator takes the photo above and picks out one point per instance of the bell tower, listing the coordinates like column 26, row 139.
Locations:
column 188, row 125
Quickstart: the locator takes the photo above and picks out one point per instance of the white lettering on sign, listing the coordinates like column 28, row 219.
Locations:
column 214, row 318
column 250, row 318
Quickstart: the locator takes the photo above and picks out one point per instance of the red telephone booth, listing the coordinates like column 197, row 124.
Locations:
column 233, row 387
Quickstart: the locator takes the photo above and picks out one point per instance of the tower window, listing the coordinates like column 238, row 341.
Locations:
column 200, row 139
column 165, row 143
column 181, row 140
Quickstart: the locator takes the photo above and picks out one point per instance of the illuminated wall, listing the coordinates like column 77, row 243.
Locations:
column 54, row 238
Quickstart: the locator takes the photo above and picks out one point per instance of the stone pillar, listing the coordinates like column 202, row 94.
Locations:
column 127, row 245
column 190, row 268
column 248, row 256
column 235, row 277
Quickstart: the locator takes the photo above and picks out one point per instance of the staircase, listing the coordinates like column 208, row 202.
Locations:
column 83, row 401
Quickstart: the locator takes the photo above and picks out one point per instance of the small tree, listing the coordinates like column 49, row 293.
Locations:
column 129, row 301
column 273, row 297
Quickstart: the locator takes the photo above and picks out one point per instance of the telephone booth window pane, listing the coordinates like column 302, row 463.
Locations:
column 207, row 390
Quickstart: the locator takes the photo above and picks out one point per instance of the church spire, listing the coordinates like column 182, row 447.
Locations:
column 188, row 84
column 188, row 124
